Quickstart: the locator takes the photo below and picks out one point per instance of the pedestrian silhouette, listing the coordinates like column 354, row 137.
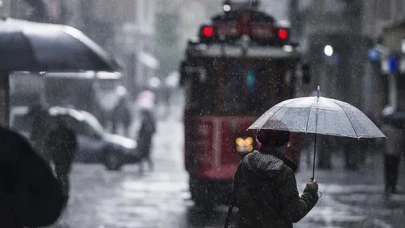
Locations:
column 265, row 188
column 352, row 150
column 39, row 129
column 61, row 144
column 121, row 116
column 393, row 147
column 30, row 194
column 148, row 128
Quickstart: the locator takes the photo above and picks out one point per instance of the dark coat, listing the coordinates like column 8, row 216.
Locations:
column 121, row 113
column 148, row 128
column 267, row 194
column 39, row 128
column 30, row 195
column 62, row 143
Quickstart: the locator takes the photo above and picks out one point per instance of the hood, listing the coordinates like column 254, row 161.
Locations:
column 263, row 165
column 120, row 140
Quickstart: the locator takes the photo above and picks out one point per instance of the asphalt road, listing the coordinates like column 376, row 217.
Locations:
column 160, row 198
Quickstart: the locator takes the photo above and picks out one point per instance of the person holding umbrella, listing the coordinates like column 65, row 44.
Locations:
column 267, row 168
column 266, row 193
column 318, row 116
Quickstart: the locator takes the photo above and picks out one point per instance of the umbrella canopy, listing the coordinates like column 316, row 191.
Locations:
column 319, row 116
column 31, row 46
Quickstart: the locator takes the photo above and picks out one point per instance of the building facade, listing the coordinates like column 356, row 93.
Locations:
column 389, row 51
column 382, row 21
column 333, row 25
column 127, row 29
column 332, row 35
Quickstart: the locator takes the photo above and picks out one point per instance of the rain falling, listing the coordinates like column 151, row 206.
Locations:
column 202, row 113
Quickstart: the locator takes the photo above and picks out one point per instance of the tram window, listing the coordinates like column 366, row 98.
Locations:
column 259, row 95
column 233, row 89
column 238, row 87
column 245, row 87
column 201, row 95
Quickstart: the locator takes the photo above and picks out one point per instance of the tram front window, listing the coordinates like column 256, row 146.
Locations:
column 239, row 87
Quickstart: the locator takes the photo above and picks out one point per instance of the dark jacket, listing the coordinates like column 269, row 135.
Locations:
column 148, row 128
column 30, row 195
column 267, row 195
column 62, row 143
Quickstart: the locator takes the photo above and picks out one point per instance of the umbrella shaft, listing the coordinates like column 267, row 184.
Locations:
column 4, row 99
column 313, row 164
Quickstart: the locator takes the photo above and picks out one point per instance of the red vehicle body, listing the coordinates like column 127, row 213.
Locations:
column 242, row 65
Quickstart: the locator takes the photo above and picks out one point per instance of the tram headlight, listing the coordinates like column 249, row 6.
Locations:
column 244, row 145
column 249, row 141
column 240, row 142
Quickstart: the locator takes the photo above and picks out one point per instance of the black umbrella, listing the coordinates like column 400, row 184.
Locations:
column 31, row 46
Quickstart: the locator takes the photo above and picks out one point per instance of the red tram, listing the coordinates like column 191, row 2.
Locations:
column 242, row 64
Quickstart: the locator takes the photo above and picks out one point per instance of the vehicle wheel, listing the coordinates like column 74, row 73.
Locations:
column 112, row 161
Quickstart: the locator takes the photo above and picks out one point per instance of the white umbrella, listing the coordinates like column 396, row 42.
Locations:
column 318, row 115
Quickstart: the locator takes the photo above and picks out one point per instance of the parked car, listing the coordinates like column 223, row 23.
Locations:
column 20, row 121
column 95, row 145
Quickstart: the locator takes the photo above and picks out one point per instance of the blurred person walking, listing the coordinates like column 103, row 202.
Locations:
column 352, row 149
column 265, row 187
column 148, row 128
column 121, row 117
column 39, row 129
column 62, row 143
column 30, row 194
column 394, row 146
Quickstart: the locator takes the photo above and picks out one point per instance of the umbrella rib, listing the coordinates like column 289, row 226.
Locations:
column 347, row 118
column 309, row 114
column 275, row 113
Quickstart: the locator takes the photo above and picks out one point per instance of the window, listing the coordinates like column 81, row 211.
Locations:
column 400, row 7
column 240, row 87
column 383, row 10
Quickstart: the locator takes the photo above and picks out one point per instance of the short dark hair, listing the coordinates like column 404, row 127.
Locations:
column 273, row 138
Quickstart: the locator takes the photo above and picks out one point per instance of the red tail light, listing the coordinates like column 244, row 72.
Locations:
column 207, row 31
column 282, row 34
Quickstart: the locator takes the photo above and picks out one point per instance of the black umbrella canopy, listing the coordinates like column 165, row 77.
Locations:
column 31, row 46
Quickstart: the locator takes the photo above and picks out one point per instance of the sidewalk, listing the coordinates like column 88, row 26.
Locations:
column 349, row 198
column 353, row 198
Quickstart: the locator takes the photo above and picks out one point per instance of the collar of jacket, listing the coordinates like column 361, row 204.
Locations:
column 271, row 150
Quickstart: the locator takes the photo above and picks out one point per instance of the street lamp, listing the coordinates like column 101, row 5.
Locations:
column 328, row 50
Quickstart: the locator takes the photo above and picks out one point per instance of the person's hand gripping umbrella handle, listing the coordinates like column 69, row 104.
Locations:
column 313, row 185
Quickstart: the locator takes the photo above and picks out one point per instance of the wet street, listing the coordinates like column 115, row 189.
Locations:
column 81, row 80
column 103, row 199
